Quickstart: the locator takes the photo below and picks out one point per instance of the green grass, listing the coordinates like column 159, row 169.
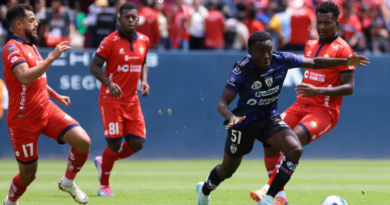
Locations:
column 173, row 182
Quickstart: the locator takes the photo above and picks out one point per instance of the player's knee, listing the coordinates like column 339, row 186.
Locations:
column 85, row 143
column 136, row 145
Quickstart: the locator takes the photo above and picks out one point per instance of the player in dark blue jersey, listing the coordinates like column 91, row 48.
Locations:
column 258, row 79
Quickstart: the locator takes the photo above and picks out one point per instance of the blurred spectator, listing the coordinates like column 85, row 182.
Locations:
column 280, row 25
column 242, row 34
column 148, row 23
column 162, row 25
column 5, row 27
column 178, row 15
column 358, row 43
column 302, row 23
column 80, row 29
column 105, row 22
column 3, row 98
column 58, row 23
column 215, row 28
column 197, row 24
column 252, row 23
column 349, row 21
column 376, row 43
column 40, row 15
column 24, row 2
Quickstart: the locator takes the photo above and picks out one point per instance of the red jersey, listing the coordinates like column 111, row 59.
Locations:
column 177, row 27
column 300, row 24
column 254, row 25
column 350, row 25
column 124, row 60
column 334, row 48
column 215, row 24
column 148, row 25
column 25, row 102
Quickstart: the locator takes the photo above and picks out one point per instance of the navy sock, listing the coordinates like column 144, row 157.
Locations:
column 285, row 169
column 211, row 182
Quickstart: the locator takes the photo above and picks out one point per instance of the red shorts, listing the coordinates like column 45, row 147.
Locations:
column 25, row 136
column 316, row 121
column 122, row 120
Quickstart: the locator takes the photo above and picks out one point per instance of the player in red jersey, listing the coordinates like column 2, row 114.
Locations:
column 32, row 113
column 124, row 52
column 320, row 95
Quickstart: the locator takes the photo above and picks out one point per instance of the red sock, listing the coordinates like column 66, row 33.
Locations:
column 17, row 188
column 108, row 159
column 274, row 172
column 270, row 163
column 76, row 160
column 125, row 151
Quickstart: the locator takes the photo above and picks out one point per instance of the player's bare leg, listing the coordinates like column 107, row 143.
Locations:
column 80, row 142
column 20, row 182
column 289, row 144
column 275, row 156
column 217, row 175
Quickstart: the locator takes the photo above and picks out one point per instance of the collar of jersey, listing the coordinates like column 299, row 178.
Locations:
column 330, row 40
column 122, row 35
column 21, row 40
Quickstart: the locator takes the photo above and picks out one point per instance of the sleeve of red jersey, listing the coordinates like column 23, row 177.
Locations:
column 346, row 53
column 104, row 50
column 14, row 56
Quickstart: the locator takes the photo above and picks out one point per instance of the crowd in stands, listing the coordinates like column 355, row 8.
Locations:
column 222, row 25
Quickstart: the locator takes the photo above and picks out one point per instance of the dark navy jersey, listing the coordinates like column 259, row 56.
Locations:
column 259, row 90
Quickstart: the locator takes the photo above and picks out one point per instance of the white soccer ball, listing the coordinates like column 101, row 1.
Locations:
column 333, row 200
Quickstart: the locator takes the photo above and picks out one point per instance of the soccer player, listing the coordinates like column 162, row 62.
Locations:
column 258, row 79
column 317, row 108
column 124, row 52
column 32, row 113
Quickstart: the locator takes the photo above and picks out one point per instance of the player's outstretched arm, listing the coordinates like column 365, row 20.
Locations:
column 28, row 75
column 324, row 63
column 223, row 108
column 96, row 70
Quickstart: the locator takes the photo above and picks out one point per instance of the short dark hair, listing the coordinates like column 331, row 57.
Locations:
column 144, row 2
column 17, row 11
column 258, row 36
column 329, row 7
column 128, row 5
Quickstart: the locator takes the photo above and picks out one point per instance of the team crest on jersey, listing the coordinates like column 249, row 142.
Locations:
column 121, row 51
column 232, row 79
column 11, row 48
column 313, row 124
column 67, row 117
column 269, row 81
column 233, row 148
column 141, row 50
column 326, row 55
column 256, row 85
column 237, row 70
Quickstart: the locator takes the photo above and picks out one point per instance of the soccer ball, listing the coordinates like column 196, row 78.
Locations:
column 333, row 200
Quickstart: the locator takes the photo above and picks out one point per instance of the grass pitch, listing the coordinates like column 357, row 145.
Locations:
column 173, row 182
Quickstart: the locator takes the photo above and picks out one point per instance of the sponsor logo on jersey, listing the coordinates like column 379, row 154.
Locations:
column 22, row 97
column 38, row 62
column 313, row 124
column 13, row 59
column 256, row 85
column 12, row 53
column 131, row 68
column 127, row 58
column 121, row 51
column 115, row 38
column 326, row 55
column 262, row 101
column 232, row 79
column 17, row 153
column 308, row 54
column 267, row 92
column 30, row 55
column 336, row 47
column 11, row 48
column 67, row 117
column 237, row 70
column 314, row 137
column 269, row 81
column 314, row 76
